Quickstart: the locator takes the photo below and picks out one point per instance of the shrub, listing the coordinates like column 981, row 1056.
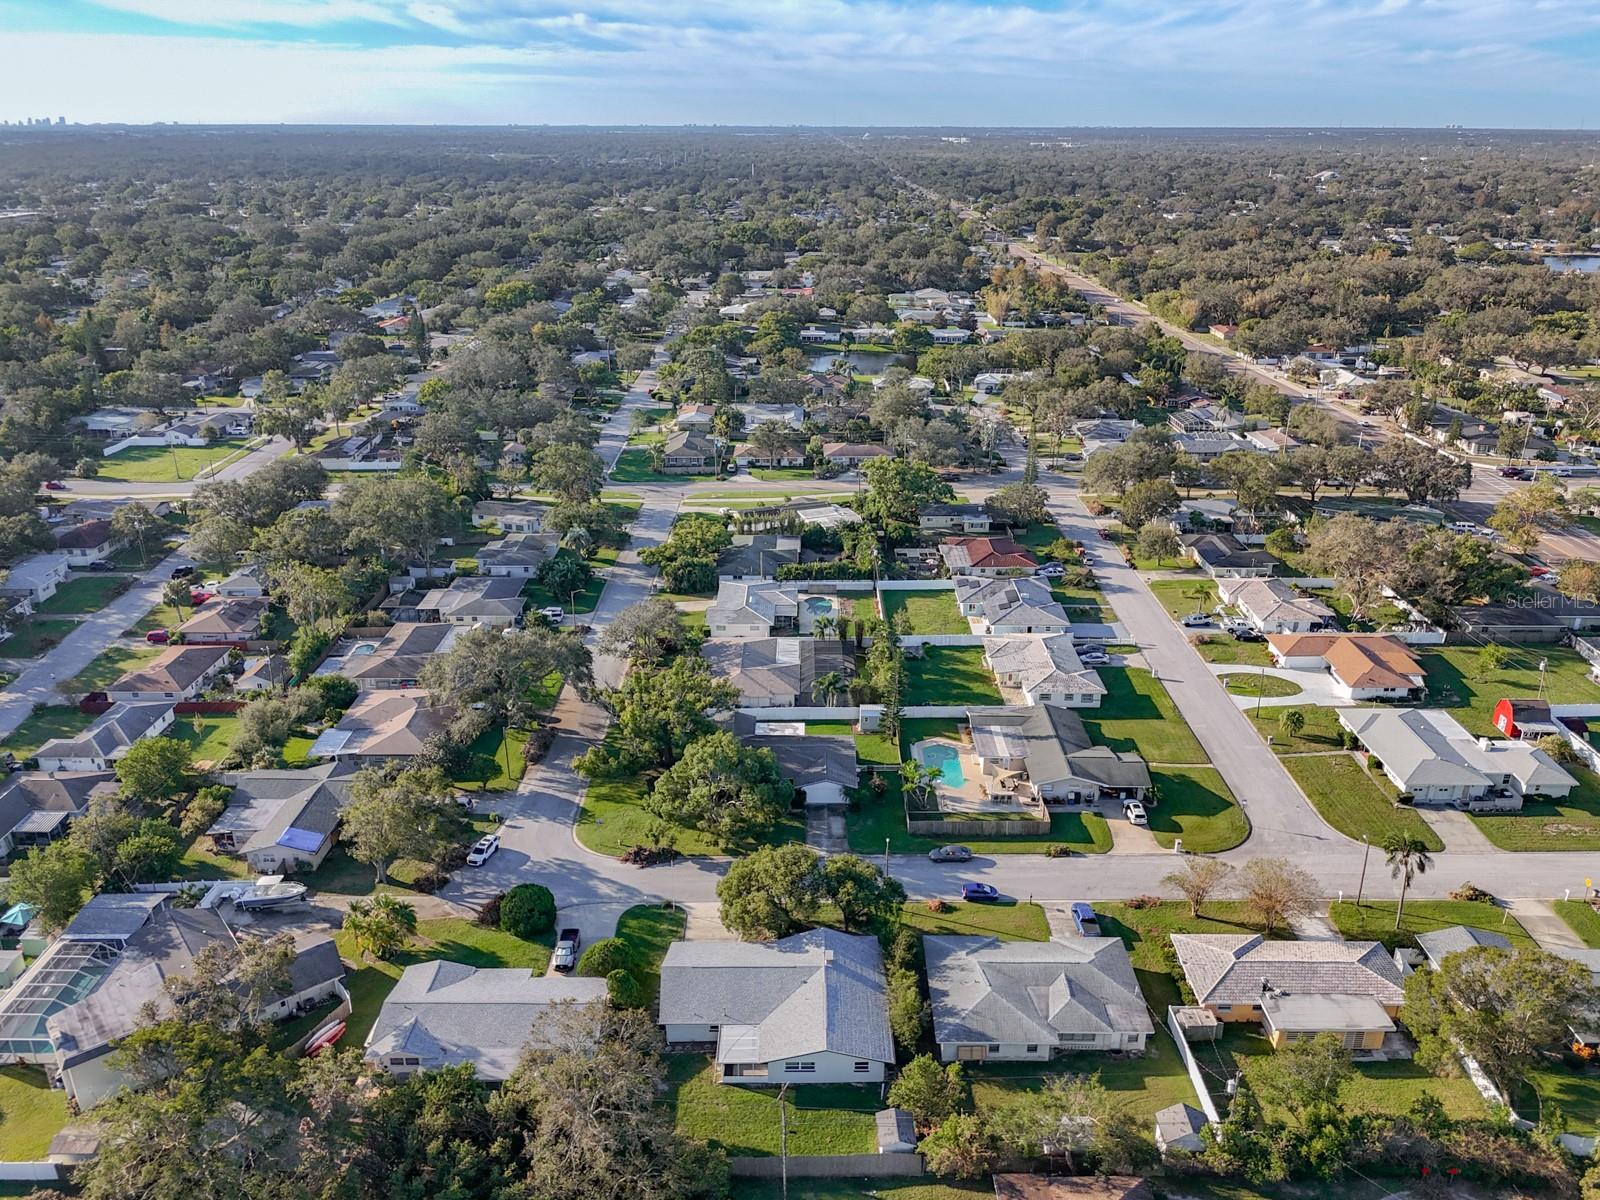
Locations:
column 606, row 956
column 489, row 914
column 431, row 881
column 1058, row 851
column 538, row 744
column 1145, row 901
column 939, row 906
column 528, row 910
column 625, row 991
column 1094, row 506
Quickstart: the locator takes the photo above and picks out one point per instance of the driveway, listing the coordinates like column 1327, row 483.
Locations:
column 1315, row 688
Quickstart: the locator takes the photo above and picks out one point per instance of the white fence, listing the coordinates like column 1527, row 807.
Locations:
column 814, row 713
column 916, row 585
column 364, row 464
column 1196, row 1077
column 33, row 1172
column 941, row 639
column 945, row 710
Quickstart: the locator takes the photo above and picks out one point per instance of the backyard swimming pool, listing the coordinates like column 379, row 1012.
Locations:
column 947, row 761
column 818, row 606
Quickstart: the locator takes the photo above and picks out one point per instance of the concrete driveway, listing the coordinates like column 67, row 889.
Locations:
column 1315, row 687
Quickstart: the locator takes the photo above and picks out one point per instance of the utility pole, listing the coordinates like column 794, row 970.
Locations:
column 783, row 1139
column 1366, row 848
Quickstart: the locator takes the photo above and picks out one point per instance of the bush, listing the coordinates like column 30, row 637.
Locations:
column 625, row 991
column 336, row 692
column 489, row 914
column 306, row 648
column 1057, row 850
column 606, row 956
column 1145, row 901
column 538, row 744
column 838, row 569
column 528, row 910
column 431, row 881
column 941, row 906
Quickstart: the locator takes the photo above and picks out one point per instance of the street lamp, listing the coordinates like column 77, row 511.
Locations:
column 885, row 856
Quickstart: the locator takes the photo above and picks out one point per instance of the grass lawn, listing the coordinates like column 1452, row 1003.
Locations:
column 1143, row 1085
column 822, row 1118
column 452, row 938
column 1373, row 920
column 1220, row 648
column 297, row 749
column 783, row 474
column 43, row 723
column 649, row 929
column 505, row 747
column 85, row 594
column 878, row 1188
column 1578, row 1096
column 1570, row 824
column 1009, row 920
column 929, row 612
column 879, row 819
column 31, row 1113
column 167, row 464
column 34, row 635
column 162, row 616
column 1582, row 919
column 199, row 862
column 109, row 667
column 209, row 738
column 1083, row 604
column 1451, row 682
column 871, row 748
column 584, row 602
column 1320, row 732
column 1197, row 806
column 1252, row 683
column 949, row 675
column 633, row 466
column 129, row 558
column 1137, row 714
column 1180, row 597
column 1354, row 801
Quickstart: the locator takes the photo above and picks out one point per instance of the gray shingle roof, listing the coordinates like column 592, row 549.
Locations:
column 1231, row 968
column 986, row 990
column 1437, row 943
column 1055, row 745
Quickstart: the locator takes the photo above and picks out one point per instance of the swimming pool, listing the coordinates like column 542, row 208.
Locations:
column 818, row 606
column 947, row 761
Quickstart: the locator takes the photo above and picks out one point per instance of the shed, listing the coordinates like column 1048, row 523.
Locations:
column 1178, row 1127
column 897, row 1132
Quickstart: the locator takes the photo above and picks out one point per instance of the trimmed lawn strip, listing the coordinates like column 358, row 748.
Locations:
column 1180, row 597
column 886, row 1188
column 1220, row 648
column 1197, row 806
column 949, row 675
column 167, row 464
column 822, row 1118
column 210, row 739
column 1373, row 920
column 1569, row 824
column 31, row 1113
column 110, row 667
column 85, row 594
column 1321, row 730
column 1354, row 801
column 1136, row 713
column 1007, row 920
column 34, row 635
column 1252, row 683
column 929, row 612
column 1581, row 918
column 44, row 723
column 649, row 929
column 162, row 616
column 633, row 466
column 878, row 819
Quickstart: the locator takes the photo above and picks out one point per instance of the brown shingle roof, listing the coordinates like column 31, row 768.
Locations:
column 1365, row 660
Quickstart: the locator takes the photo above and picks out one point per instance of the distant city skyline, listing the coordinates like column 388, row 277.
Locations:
column 1038, row 63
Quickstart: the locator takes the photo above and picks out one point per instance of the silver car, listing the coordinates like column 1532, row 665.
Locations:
column 950, row 854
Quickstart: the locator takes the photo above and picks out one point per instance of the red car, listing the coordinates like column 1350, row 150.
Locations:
column 158, row 637
column 198, row 598
column 54, row 485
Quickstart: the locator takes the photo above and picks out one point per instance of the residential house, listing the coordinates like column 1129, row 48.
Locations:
column 1439, row 944
column 282, row 821
column 1273, row 606
column 1203, row 447
column 178, row 673
column 383, row 727
column 953, row 336
column 1005, row 607
column 517, row 555
column 107, row 739
column 757, row 556
column 35, row 578
column 1363, row 666
column 397, row 659
column 854, row 454
column 1101, row 433
column 102, row 508
column 263, row 672
column 1045, row 668
column 1029, row 1001
column 1226, row 332
column 224, row 621
column 953, row 518
column 1427, row 754
column 1205, row 418
column 165, row 948
column 753, row 609
column 1223, row 556
column 512, row 516
column 824, row 514
column 777, row 672
column 809, row 1008
column 445, row 1014
column 1275, row 441
column 1540, row 615
column 1215, row 514
column 791, row 415
column 1524, row 718
column 1295, row 990
column 690, row 454
column 249, row 582
column 114, row 424
column 696, row 416
column 791, row 455
column 1047, row 753
column 822, row 768
column 37, row 808
column 992, row 383
column 92, row 541
column 988, row 557
column 474, row 600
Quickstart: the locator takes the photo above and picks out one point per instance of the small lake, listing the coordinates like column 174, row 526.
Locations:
column 862, row 362
column 1589, row 264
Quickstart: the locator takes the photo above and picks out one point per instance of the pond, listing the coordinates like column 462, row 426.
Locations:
column 862, row 362
column 1589, row 264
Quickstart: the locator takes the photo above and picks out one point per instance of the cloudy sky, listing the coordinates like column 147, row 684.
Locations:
column 813, row 62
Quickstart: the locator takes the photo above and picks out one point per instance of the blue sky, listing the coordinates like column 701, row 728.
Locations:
column 822, row 62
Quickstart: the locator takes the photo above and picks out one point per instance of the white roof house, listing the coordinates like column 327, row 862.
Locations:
column 35, row 578
column 1427, row 753
column 107, row 739
column 1045, row 668
column 753, row 609
column 1273, row 606
column 1002, row 607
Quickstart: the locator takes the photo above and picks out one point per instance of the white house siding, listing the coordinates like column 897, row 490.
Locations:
column 53, row 765
column 741, row 631
column 1003, row 630
column 90, row 1082
column 519, row 571
column 690, row 1034
column 1037, row 1051
column 827, row 1068
column 280, row 860
column 1064, row 699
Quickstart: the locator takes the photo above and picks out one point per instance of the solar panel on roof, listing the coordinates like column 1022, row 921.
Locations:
column 301, row 839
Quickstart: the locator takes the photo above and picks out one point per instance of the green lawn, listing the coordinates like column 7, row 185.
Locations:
column 871, row 748
column 875, row 1188
column 1570, row 824
column 342, row 875
column 32, row 636
column 166, row 464
column 929, row 612
column 1143, row 1085
column 1373, row 920
column 882, row 818
column 1320, row 732
column 1197, row 806
column 1217, row 647
column 452, row 938
column 1254, row 683
column 1578, row 1096
column 1010, row 921
column 1147, row 934
column 43, row 723
column 1451, row 682
column 505, row 747
column 1354, row 801
column 296, row 749
column 31, row 1113
column 1180, row 597
column 85, row 594
column 783, row 474
column 1138, row 714
column 649, row 929
column 162, row 616
column 199, row 862
column 109, row 667
column 600, row 561
column 822, row 1118
column 949, row 675
column 1582, row 919
column 129, row 557
column 1083, row 604
column 633, row 466
column 209, row 738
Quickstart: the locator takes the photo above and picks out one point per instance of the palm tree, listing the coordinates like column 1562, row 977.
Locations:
column 1408, row 857
column 822, row 626
column 828, row 686
column 380, row 926
column 920, row 781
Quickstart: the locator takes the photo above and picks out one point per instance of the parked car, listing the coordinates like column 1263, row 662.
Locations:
column 197, row 597
column 1516, row 473
column 979, row 892
column 1104, row 533
column 182, row 572
column 54, row 485
column 1135, row 813
column 553, row 613
column 566, row 955
column 950, row 854
column 1195, row 619
column 158, row 637
column 102, row 564
column 1084, row 919
column 1051, row 570
column 1538, row 572
column 483, row 849
column 1094, row 658
column 1248, row 634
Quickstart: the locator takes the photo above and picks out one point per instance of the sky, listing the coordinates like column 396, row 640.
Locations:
column 1498, row 63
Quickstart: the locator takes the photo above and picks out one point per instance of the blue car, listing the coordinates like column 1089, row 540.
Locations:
column 979, row 891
